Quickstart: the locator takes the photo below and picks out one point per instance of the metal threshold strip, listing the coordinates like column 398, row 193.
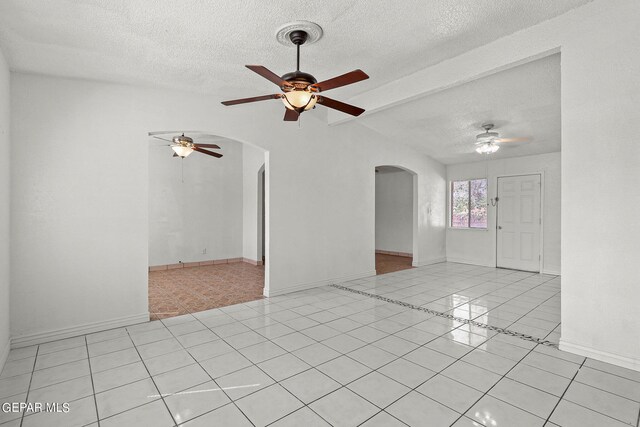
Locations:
column 515, row 334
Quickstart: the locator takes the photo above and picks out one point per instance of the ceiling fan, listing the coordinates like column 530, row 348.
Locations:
column 300, row 90
column 183, row 145
column 487, row 142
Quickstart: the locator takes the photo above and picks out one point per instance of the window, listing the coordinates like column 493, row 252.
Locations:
column 469, row 204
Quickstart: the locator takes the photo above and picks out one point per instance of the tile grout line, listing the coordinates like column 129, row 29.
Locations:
column 455, row 361
column 310, row 367
column 439, row 372
column 93, row 387
column 382, row 409
column 506, row 285
column 150, row 377
column 565, row 392
column 471, row 286
column 276, row 382
column 485, row 294
column 450, row 316
column 231, row 400
column 26, row 399
column 501, row 378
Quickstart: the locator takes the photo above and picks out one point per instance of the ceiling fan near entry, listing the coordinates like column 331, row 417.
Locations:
column 300, row 90
column 183, row 145
column 487, row 142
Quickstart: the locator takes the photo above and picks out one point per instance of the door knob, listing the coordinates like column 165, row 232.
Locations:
column 499, row 227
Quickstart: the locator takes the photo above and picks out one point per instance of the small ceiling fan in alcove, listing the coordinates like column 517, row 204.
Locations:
column 487, row 142
column 183, row 145
column 300, row 90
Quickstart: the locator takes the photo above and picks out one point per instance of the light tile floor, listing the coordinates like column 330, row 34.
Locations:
column 333, row 357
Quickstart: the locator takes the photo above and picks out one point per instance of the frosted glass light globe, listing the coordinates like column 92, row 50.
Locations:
column 488, row 148
column 181, row 150
column 296, row 99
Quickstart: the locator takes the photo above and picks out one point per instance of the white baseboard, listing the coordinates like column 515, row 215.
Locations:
column 305, row 286
column 73, row 331
column 603, row 356
column 551, row 271
column 428, row 262
column 468, row 261
column 4, row 353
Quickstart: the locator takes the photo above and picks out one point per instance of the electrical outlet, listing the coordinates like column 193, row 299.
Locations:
column 204, row 251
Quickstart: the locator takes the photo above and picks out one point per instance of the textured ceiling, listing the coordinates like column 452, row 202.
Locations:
column 201, row 45
column 523, row 101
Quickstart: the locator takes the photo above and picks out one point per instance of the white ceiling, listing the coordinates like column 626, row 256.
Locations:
column 523, row 101
column 202, row 46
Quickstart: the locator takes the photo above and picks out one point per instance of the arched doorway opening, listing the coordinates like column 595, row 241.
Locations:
column 395, row 218
column 206, row 226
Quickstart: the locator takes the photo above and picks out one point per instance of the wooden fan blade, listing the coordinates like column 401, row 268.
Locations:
column 210, row 153
column 507, row 140
column 291, row 115
column 207, row 146
column 268, row 74
column 254, row 99
column 343, row 80
column 340, row 106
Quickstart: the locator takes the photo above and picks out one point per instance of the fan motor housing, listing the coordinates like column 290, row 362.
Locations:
column 487, row 136
column 299, row 80
column 182, row 140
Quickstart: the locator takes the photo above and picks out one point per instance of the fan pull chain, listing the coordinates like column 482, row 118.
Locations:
column 182, row 169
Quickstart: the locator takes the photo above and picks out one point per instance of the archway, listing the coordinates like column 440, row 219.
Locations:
column 206, row 223
column 396, row 225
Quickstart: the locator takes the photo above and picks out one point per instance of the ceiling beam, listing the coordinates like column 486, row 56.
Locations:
column 527, row 45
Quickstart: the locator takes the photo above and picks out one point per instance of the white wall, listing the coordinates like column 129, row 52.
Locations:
column 4, row 209
column 600, row 46
column 394, row 211
column 252, row 162
column 195, row 205
column 80, row 190
column 600, row 175
column 474, row 246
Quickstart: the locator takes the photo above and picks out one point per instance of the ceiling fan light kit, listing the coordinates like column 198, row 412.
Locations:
column 300, row 90
column 182, row 151
column 487, row 142
column 488, row 148
column 183, row 145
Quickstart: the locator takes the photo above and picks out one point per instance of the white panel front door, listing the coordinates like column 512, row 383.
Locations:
column 518, row 222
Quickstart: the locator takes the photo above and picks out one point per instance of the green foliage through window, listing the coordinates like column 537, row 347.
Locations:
column 469, row 203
